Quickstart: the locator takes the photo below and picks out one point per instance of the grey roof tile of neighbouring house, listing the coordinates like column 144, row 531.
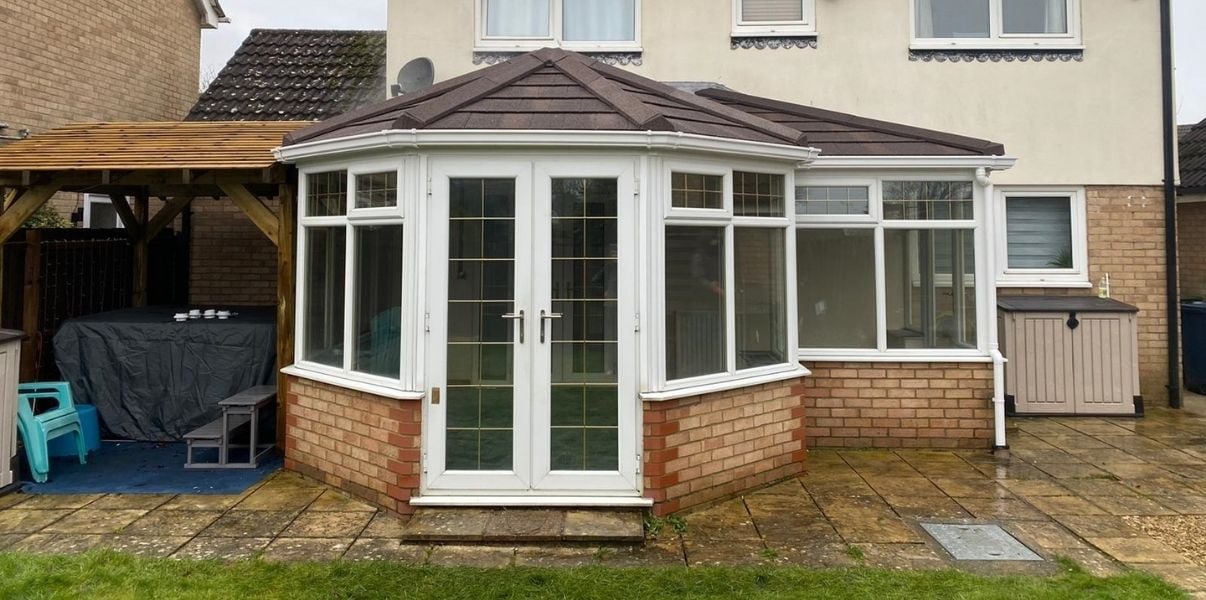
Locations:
column 296, row 75
column 1193, row 160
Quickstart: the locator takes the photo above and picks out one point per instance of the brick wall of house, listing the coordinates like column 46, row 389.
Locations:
column 899, row 405
column 1191, row 242
column 231, row 262
column 364, row 444
column 67, row 61
column 1126, row 240
column 704, row 448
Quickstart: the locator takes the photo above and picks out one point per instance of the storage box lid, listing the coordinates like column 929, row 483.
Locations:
column 1080, row 304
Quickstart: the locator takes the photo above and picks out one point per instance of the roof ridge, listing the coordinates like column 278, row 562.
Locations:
column 948, row 139
column 716, row 109
column 631, row 108
column 487, row 81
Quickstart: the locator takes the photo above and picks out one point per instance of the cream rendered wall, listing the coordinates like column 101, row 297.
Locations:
column 1092, row 122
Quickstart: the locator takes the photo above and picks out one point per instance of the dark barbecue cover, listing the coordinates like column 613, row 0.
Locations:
column 153, row 379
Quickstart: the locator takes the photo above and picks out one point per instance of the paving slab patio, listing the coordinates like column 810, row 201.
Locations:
column 1107, row 493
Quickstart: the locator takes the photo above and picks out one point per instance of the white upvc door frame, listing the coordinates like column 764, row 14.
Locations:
column 531, row 474
column 625, row 480
column 441, row 170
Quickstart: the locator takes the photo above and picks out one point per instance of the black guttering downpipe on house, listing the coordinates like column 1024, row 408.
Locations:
column 1170, row 206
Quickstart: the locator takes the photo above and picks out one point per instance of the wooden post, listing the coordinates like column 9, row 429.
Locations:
column 22, row 208
column 286, row 290
column 31, row 346
column 141, row 206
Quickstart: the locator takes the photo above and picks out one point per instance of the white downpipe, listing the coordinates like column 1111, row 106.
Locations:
column 994, row 344
column 998, row 392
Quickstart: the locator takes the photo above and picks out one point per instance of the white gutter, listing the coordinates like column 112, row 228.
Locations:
column 989, row 163
column 586, row 140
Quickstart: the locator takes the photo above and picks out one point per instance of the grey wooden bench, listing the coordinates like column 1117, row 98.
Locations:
column 238, row 411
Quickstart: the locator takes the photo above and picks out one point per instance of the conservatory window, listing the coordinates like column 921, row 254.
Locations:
column 725, row 259
column 895, row 276
column 351, row 284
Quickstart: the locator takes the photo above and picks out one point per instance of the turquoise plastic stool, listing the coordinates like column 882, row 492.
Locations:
column 38, row 429
column 89, row 424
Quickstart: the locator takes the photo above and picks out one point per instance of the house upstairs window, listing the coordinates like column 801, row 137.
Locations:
column 996, row 23
column 773, row 17
column 573, row 24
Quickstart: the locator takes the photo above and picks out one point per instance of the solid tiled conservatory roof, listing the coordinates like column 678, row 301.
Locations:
column 1193, row 160
column 554, row 89
column 841, row 134
column 296, row 75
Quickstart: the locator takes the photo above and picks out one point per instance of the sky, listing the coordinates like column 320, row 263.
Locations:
column 1189, row 21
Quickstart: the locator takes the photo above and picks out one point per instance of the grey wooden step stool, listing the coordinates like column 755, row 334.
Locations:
column 239, row 410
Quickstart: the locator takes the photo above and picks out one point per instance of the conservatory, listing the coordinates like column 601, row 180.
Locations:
column 554, row 282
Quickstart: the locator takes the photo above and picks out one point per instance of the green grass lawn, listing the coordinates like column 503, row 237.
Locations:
column 109, row 575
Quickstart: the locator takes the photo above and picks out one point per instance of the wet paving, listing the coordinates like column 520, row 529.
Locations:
column 1109, row 494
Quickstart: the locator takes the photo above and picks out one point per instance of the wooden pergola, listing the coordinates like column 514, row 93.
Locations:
column 173, row 161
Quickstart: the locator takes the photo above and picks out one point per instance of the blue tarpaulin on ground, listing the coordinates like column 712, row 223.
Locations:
column 146, row 468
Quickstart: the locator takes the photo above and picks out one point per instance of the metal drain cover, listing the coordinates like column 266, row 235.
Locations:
column 979, row 542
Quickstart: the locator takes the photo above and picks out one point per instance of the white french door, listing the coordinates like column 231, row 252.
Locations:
column 531, row 347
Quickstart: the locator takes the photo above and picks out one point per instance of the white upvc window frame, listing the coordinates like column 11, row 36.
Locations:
column 981, row 279
column 805, row 26
column 91, row 199
column 669, row 216
column 999, row 40
column 1078, row 275
column 485, row 42
column 402, row 215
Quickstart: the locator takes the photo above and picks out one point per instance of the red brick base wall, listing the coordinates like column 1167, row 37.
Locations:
column 899, row 405
column 708, row 447
column 364, row 444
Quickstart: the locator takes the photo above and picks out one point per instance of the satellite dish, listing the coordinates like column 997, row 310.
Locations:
column 414, row 76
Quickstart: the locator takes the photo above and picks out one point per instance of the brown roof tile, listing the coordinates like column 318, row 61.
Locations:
column 841, row 134
column 556, row 90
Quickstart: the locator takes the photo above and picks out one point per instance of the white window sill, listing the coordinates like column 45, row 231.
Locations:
column 794, row 372
column 352, row 384
column 887, row 357
column 1041, row 283
column 529, row 47
column 779, row 32
column 991, row 45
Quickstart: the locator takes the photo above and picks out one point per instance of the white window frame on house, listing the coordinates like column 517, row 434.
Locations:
column 666, row 215
column 879, row 224
column 1078, row 275
column 999, row 40
column 485, row 42
column 805, row 26
column 403, row 215
column 91, row 199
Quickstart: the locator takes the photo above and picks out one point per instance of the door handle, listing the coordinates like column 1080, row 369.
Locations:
column 545, row 317
column 517, row 317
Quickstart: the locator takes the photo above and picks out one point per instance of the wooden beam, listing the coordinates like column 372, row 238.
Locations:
column 23, row 208
column 255, row 210
column 126, row 214
column 171, row 209
column 286, row 290
column 141, row 253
